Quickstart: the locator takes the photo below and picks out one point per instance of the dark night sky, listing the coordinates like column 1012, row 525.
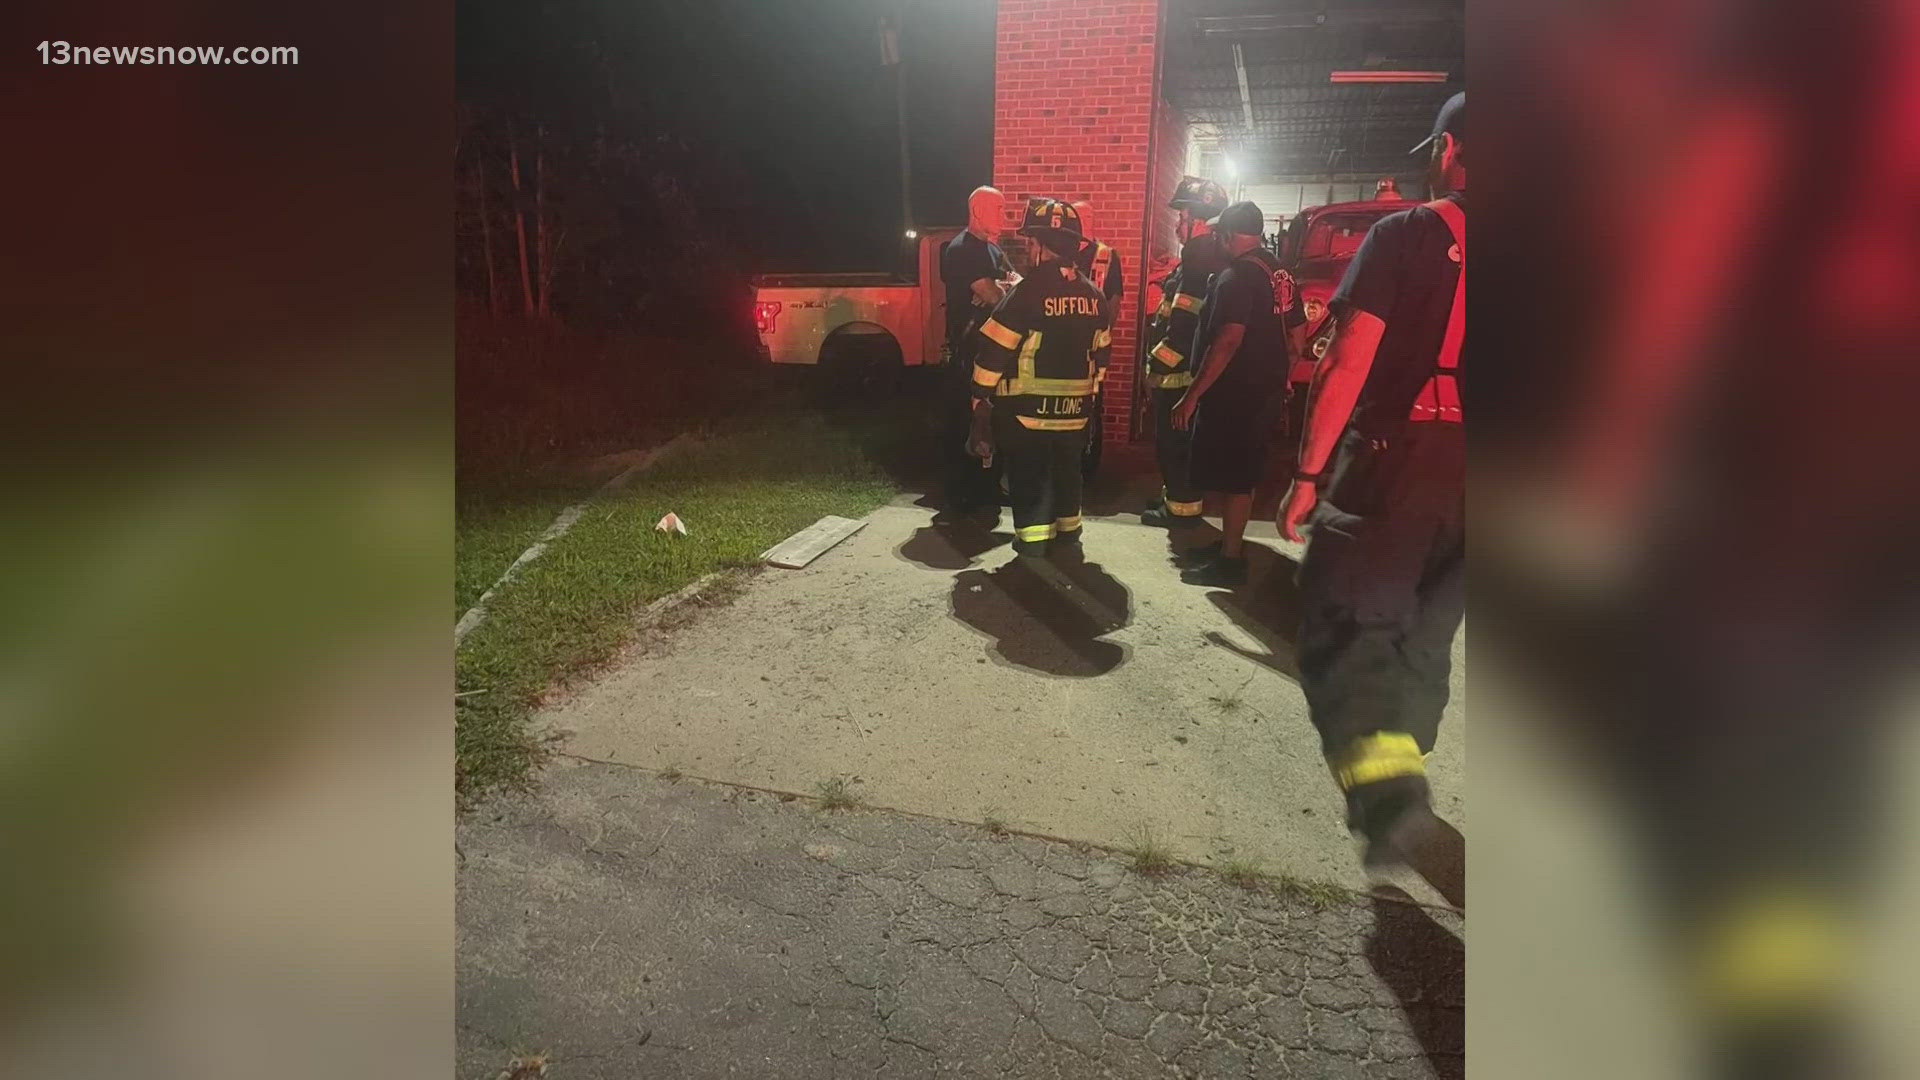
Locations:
column 785, row 101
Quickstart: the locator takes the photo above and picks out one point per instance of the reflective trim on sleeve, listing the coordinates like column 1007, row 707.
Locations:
column 1034, row 423
column 1383, row 755
column 1168, row 355
column 983, row 377
column 1187, row 302
column 1000, row 335
column 1102, row 339
column 1026, row 382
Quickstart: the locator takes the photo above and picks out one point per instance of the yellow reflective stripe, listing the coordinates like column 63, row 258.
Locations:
column 1102, row 338
column 1187, row 302
column 1778, row 949
column 1168, row 355
column 1099, row 377
column 1000, row 335
column 1181, row 509
column 1027, row 352
column 1066, row 524
column 1384, row 755
column 1049, row 387
column 1032, row 423
column 1171, row 382
column 983, row 377
column 1031, row 533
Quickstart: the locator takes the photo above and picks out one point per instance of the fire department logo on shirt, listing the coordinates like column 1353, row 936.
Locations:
column 1284, row 291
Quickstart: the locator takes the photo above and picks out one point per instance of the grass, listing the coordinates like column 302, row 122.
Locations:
column 1315, row 894
column 1151, row 856
column 1243, row 873
column 994, row 820
column 836, row 793
column 1248, row 874
column 740, row 492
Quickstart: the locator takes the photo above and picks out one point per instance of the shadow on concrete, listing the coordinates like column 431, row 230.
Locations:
column 1047, row 617
column 1127, row 482
column 1267, row 607
column 1425, row 966
column 950, row 547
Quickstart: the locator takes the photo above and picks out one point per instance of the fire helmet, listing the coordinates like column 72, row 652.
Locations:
column 1200, row 197
column 1050, row 216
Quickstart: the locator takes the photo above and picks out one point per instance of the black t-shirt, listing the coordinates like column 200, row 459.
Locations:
column 1404, row 274
column 965, row 260
column 1254, row 292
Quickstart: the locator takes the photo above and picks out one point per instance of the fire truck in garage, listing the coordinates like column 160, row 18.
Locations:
column 1319, row 243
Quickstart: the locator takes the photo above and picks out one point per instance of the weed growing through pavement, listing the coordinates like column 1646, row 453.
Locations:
column 836, row 793
column 1243, row 873
column 1150, row 856
column 993, row 819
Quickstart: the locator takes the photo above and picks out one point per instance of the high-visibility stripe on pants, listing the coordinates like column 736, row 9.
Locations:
column 1776, row 949
column 1066, row 524
column 1033, row 534
column 1383, row 755
column 1182, row 509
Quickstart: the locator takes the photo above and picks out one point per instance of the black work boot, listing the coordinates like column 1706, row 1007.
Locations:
column 1067, row 548
column 1199, row 556
column 1218, row 572
column 1401, row 830
column 1161, row 517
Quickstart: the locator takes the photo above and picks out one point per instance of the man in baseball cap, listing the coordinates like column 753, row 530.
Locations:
column 1382, row 469
column 1242, row 348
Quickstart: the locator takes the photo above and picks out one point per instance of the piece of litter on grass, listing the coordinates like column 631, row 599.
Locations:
column 671, row 523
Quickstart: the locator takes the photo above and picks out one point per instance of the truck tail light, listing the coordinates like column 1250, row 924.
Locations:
column 764, row 312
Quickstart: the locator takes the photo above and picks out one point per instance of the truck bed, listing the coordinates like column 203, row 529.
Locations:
column 842, row 280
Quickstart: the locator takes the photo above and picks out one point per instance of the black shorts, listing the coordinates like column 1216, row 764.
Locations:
column 1232, row 439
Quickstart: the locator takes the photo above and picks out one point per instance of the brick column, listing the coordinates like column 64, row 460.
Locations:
column 1076, row 86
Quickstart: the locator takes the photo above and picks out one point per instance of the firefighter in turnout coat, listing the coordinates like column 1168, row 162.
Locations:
column 1171, row 363
column 1036, row 371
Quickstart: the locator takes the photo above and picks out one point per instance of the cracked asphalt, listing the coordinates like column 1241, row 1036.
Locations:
column 633, row 926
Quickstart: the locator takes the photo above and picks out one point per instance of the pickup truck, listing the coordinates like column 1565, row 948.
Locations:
column 862, row 331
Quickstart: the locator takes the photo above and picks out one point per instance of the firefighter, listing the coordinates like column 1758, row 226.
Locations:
column 974, row 270
column 1387, row 190
column 1251, row 327
column 1035, row 373
column 1099, row 263
column 1171, row 372
column 1383, row 582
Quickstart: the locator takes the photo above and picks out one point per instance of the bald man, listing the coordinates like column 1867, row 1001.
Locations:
column 974, row 271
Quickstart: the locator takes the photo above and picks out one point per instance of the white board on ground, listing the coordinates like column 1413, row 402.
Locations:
column 810, row 543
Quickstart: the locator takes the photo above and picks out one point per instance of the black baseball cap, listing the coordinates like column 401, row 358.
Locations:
column 1452, row 120
column 1242, row 219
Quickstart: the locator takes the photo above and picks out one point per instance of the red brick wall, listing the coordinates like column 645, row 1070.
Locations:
column 1075, row 86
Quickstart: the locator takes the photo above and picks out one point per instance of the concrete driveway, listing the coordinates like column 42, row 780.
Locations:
column 1094, row 703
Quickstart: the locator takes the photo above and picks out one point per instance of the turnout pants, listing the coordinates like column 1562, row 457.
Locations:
column 1383, row 590
column 1174, row 448
column 1043, row 481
